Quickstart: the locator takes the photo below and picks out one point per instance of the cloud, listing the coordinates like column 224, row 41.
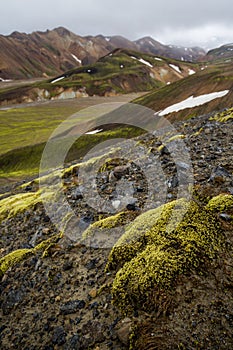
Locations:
column 167, row 20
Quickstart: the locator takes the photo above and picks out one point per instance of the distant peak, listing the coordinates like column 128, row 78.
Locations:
column 62, row 31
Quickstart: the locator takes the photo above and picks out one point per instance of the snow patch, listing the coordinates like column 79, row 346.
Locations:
column 5, row 80
column 58, row 79
column 191, row 71
column 107, row 38
column 158, row 59
column 175, row 68
column 93, row 132
column 142, row 61
column 192, row 102
column 76, row 58
column 168, row 83
column 145, row 62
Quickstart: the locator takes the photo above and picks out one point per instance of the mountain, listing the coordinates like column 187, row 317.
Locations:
column 150, row 45
column 222, row 52
column 54, row 51
column 121, row 71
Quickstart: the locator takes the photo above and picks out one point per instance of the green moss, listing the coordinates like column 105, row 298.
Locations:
column 171, row 139
column 119, row 219
column 13, row 258
column 20, row 255
column 176, row 137
column 138, row 232
column 18, row 203
column 223, row 116
column 157, row 248
column 220, row 203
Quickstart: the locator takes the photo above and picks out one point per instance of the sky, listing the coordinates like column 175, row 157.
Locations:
column 206, row 23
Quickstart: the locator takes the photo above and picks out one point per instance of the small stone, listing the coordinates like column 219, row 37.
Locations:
column 225, row 217
column 74, row 342
column 116, row 204
column 120, row 171
column 124, row 330
column 59, row 336
column 219, row 175
column 72, row 306
column 131, row 206
column 68, row 265
column 76, row 194
column 84, row 222
column 58, row 298
column 45, row 231
column 93, row 293
column 91, row 264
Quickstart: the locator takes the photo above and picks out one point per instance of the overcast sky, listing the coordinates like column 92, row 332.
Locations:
column 197, row 22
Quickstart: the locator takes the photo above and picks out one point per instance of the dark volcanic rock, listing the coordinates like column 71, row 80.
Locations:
column 72, row 306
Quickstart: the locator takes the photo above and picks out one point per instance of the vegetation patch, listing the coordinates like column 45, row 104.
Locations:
column 18, row 203
column 106, row 224
column 161, row 245
column 223, row 116
column 19, row 255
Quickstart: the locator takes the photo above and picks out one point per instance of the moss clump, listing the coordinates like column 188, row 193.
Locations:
column 20, row 255
column 18, row 203
column 13, row 258
column 158, row 247
column 220, row 203
column 176, row 137
column 138, row 232
column 106, row 224
column 73, row 169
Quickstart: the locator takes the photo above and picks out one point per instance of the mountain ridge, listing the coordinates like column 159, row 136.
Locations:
column 51, row 52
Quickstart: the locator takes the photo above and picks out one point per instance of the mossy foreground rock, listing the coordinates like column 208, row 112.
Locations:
column 161, row 245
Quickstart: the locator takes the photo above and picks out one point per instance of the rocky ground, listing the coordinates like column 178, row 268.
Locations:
column 62, row 300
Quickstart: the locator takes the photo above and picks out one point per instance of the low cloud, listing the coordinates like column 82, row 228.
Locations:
column 181, row 22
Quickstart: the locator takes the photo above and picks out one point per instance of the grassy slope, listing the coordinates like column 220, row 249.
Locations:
column 24, row 132
column 214, row 78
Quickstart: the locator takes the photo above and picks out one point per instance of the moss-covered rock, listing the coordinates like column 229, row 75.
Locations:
column 138, row 232
column 13, row 258
column 20, row 202
column 19, row 255
column 161, row 245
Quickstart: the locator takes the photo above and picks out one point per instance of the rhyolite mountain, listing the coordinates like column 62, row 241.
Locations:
column 54, row 51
